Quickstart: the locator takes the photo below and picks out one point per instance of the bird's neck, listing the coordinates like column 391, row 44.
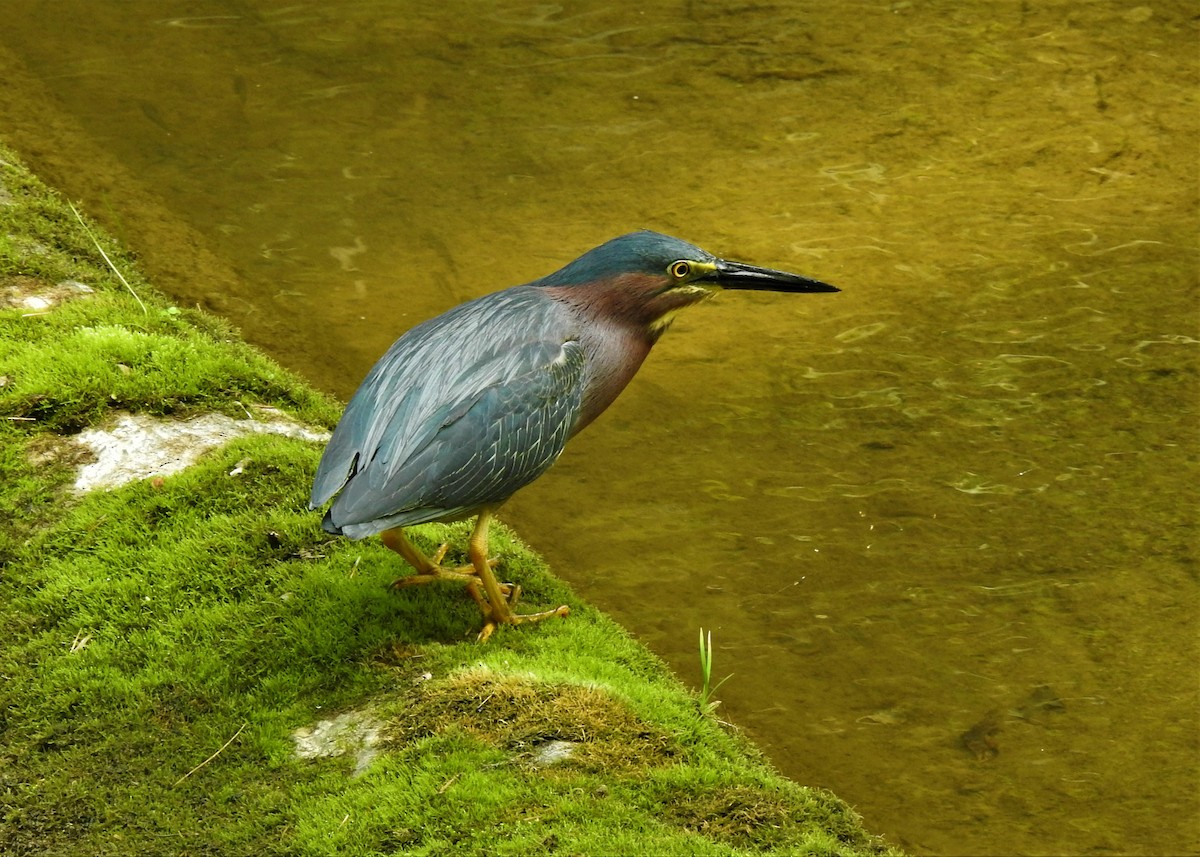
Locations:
column 633, row 300
column 615, row 341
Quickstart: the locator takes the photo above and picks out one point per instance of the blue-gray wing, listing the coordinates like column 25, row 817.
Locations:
column 461, row 412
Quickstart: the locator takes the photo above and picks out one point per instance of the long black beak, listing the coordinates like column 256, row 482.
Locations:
column 736, row 275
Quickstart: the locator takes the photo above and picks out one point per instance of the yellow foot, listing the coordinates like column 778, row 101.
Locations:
column 464, row 574
column 510, row 595
column 495, row 600
column 431, row 569
column 490, row 621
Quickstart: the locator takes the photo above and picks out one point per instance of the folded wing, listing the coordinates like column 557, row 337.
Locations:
column 450, row 419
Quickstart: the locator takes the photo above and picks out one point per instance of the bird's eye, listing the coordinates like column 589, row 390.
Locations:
column 680, row 269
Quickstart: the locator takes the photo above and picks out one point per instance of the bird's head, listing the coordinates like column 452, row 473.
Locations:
column 646, row 277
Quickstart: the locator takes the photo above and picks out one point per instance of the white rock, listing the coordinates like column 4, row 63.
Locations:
column 352, row 732
column 140, row 446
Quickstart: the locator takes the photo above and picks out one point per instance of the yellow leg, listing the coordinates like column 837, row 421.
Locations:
column 501, row 606
column 495, row 599
column 428, row 569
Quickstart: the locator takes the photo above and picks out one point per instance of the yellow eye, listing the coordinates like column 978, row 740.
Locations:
column 679, row 270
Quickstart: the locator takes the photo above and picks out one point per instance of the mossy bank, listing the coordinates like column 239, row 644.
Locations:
column 189, row 665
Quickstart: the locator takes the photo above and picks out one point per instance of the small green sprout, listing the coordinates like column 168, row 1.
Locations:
column 707, row 689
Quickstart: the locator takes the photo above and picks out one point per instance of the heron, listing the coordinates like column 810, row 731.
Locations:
column 468, row 407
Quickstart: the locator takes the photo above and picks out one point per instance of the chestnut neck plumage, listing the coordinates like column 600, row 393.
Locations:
column 640, row 301
column 620, row 319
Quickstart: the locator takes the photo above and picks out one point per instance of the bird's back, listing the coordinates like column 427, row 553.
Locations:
column 460, row 412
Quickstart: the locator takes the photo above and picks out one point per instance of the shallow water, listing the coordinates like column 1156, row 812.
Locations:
column 943, row 524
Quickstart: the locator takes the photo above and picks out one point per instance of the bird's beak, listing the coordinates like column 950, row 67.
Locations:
column 736, row 275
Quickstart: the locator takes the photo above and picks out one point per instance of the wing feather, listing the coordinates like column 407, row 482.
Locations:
column 461, row 412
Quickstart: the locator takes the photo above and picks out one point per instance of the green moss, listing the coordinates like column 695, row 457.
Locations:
column 164, row 640
column 69, row 367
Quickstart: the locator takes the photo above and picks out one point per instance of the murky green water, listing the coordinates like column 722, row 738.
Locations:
column 942, row 525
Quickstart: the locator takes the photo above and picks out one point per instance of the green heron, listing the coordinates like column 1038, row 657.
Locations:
column 468, row 407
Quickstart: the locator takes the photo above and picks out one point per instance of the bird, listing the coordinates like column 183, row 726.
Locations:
column 468, row 407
